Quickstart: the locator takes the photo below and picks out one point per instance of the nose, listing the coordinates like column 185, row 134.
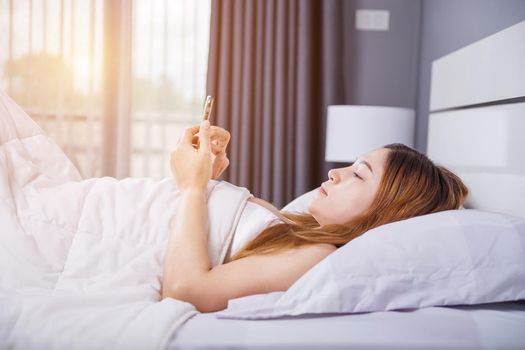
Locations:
column 332, row 175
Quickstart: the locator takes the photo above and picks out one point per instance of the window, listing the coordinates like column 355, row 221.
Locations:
column 113, row 82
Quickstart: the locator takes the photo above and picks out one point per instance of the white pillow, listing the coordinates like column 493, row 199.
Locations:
column 300, row 204
column 448, row 258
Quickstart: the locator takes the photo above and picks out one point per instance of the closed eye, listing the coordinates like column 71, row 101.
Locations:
column 357, row 175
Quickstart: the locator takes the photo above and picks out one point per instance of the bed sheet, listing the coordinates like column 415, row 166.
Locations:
column 487, row 326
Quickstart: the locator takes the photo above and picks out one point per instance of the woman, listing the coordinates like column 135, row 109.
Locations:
column 385, row 185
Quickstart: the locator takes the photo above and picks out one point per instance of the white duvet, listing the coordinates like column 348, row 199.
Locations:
column 81, row 260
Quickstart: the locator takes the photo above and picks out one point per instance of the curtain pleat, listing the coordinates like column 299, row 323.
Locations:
column 247, row 123
column 273, row 69
column 291, row 95
column 224, row 88
column 267, row 106
column 308, row 114
column 279, row 114
column 236, row 75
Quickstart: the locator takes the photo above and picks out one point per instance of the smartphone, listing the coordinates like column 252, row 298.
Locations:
column 205, row 116
column 207, row 108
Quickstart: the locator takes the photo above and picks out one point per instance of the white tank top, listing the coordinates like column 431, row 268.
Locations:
column 253, row 220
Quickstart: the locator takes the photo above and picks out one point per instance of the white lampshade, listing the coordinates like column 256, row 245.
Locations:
column 354, row 130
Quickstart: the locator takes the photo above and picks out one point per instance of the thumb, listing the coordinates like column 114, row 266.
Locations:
column 204, row 137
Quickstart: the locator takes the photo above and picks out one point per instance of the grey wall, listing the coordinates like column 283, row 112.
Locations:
column 382, row 65
column 447, row 25
column 393, row 68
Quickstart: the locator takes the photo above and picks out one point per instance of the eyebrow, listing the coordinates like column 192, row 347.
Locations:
column 367, row 164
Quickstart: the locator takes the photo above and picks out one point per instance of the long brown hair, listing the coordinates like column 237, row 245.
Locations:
column 411, row 185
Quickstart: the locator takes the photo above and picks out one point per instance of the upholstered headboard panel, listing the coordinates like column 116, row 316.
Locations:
column 477, row 119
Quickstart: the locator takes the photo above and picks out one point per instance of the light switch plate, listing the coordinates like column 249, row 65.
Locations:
column 372, row 20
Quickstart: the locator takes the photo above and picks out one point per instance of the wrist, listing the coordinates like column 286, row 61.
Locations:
column 193, row 191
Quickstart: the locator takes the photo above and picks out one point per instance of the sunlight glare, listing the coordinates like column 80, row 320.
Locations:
column 82, row 73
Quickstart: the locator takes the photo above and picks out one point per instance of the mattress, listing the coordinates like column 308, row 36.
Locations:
column 487, row 326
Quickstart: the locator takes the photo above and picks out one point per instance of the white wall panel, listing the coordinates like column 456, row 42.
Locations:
column 486, row 148
column 488, row 70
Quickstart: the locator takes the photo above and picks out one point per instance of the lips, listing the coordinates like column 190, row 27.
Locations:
column 322, row 190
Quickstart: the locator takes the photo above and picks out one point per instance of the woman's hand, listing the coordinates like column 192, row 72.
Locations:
column 192, row 167
column 219, row 142
column 219, row 163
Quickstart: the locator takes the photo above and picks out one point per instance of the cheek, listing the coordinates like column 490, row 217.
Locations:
column 345, row 207
column 330, row 210
column 344, row 211
column 318, row 208
column 340, row 207
column 361, row 202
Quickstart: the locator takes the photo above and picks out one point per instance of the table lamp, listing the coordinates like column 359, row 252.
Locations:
column 354, row 130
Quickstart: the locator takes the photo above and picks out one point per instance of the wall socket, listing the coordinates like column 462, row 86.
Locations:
column 372, row 20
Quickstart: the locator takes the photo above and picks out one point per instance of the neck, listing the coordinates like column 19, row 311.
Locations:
column 271, row 208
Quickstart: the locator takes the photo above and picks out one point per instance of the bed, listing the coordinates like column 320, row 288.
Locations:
column 477, row 119
column 490, row 326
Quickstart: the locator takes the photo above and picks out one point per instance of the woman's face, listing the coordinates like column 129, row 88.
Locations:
column 349, row 191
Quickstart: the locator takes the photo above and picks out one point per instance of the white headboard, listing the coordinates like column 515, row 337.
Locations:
column 477, row 119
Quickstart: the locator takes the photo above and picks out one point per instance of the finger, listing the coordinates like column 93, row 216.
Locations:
column 217, row 166
column 217, row 148
column 223, row 164
column 195, row 140
column 204, row 137
column 222, row 159
column 218, row 136
column 220, row 156
column 221, row 136
column 188, row 134
column 219, row 133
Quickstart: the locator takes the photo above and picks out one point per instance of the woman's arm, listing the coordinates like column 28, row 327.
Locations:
column 187, row 255
column 188, row 274
column 255, row 274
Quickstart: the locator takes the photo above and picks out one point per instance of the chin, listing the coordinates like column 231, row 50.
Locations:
column 310, row 207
